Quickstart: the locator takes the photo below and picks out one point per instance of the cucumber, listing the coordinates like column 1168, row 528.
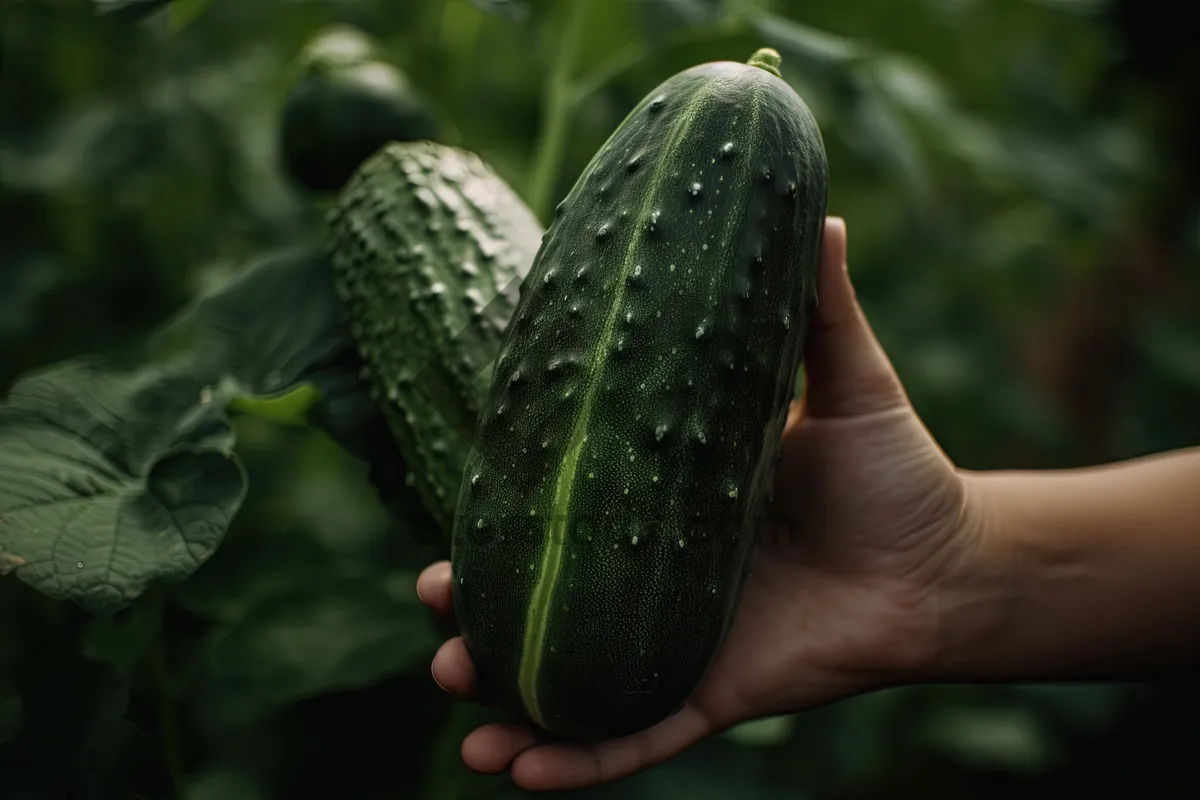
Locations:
column 428, row 247
column 624, row 459
column 347, row 103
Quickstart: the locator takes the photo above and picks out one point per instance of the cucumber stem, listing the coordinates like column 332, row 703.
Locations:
column 767, row 58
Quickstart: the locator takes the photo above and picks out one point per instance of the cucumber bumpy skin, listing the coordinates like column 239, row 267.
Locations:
column 624, row 460
column 428, row 247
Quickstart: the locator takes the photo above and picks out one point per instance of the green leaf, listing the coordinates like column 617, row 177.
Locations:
column 268, row 328
column 118, row 480
column 112, row 482
column 330, row 636
column 278, row 332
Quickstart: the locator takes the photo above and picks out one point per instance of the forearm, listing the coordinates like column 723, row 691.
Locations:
column 1079, row 574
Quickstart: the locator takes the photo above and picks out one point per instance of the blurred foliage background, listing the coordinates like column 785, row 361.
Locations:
column 1022, row 187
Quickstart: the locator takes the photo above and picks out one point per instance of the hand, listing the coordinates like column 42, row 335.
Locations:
column 841, row 595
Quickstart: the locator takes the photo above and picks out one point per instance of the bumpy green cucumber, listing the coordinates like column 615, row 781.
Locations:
column 624, row 459
column 428, row 247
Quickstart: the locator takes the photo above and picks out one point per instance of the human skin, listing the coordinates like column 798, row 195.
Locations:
column 901, row 568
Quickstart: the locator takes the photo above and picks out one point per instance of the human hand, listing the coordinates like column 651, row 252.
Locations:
column 868, row 516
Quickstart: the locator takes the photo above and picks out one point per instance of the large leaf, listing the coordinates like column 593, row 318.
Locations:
column 275, row 324
column 280, row 332
column 112, row 481
column 116, row 480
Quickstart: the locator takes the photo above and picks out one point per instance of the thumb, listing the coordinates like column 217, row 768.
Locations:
column 847, row 374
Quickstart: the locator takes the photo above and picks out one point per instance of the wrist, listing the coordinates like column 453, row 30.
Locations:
column 1077, row 574
column 989, row 584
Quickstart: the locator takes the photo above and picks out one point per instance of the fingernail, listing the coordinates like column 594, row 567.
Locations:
column 845, row 247
column 435, row 679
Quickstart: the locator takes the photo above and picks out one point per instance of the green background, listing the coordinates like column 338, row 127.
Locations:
column 1022, row 194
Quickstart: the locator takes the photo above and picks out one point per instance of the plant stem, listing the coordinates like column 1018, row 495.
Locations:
column 166, row 715
column 557, row 107
column 459, row 36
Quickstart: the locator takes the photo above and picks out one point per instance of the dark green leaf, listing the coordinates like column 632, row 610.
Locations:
column 122, row 479
column 322, row 638
column 279, row 331
column 112, row 481
column 267, row 328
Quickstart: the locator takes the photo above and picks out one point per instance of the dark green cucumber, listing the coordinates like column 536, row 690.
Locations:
column 624, row 459
column 347, row 103
column 428, row 247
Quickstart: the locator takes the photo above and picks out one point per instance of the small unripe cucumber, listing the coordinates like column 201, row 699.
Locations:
column 624, row 458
